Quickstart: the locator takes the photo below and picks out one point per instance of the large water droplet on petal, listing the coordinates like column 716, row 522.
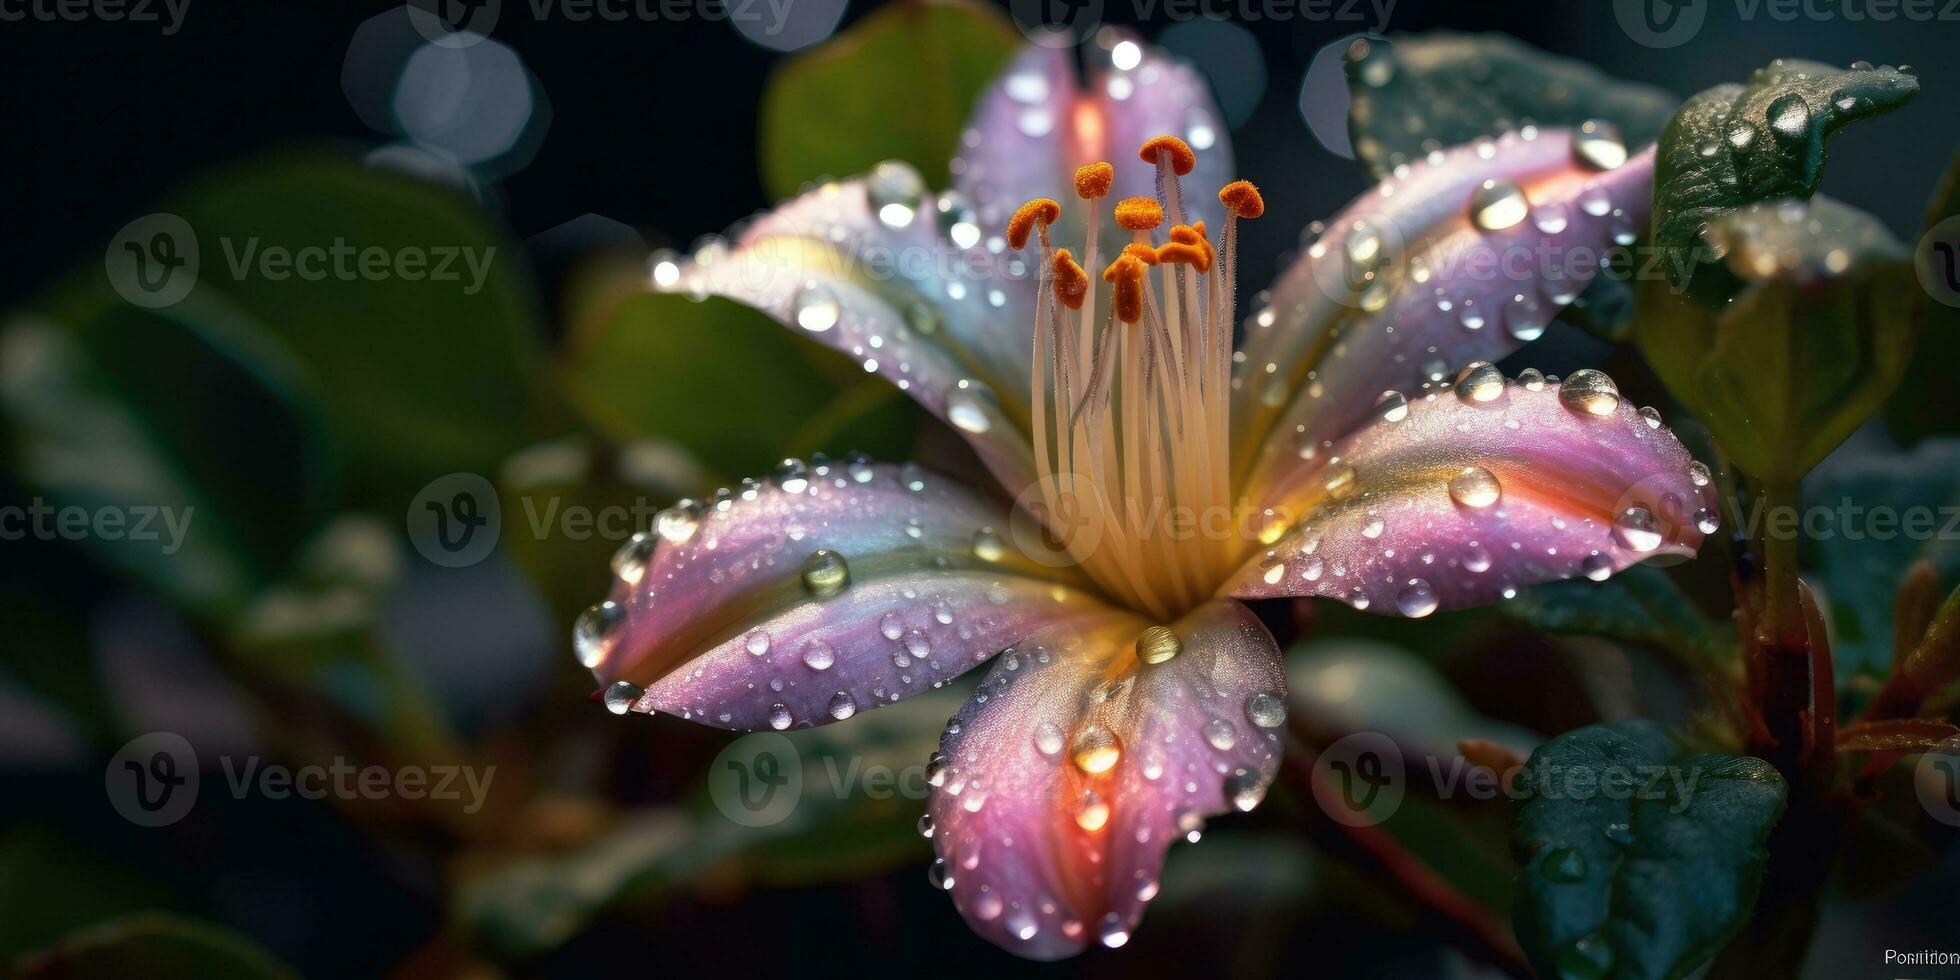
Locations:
column 594, row 631
column 1789, row 118
column 1220, row 734
column 1636, row 529
column 969, row 406
column 1244, row 789
column 1266, row 710
column 818, row 655
column 630, row 561
column 676, row 524
column 1597, row 567
column 817, row 309
column 1158, row 644
column 988, row 546
column 1417, row 599
column 620, row 696
column 1589, row 391
column 779, row 717
column 1096, row 750
column 1048, row 738
column 1475, row 487
column 1497, row 205
column 1392, row 406
column 1480, row 382
column 1598, row 145
column 842, row 706
column 825, row 573
column 894, row 190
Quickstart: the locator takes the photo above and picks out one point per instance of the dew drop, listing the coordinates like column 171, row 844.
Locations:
column 818, row 655
column 894, row 190
column 1597, row 567
column 1157, row 644
column 594, row 631
column 1417, row 600
column 620, row 696
column 925, row 825
column 1480, row 382
column 940, row 875
column 779, row 718
column 630, row 561
column 988, row 546
column 1598, row 145
column 1636, row 529
column 1111, row 931
column 1789, row 117
column 1497, row 205
column 1244, row 789
column 1589, row 391
column 1048, row 739
column 1220, row 734
column 969, row 407
column 1532, row 379
column 1698, row 472
column 1477, row 559
column 676, row 524
column 1096, row 750
column 816, row 308
column 1392, row 406
column 1707, row 521
column 842, row 706
column 1266, row 710
column 1091, row 812
column 891, row 627
column 1650, row 415
column 825, row 573
column 1475, row 487
column 757, row 643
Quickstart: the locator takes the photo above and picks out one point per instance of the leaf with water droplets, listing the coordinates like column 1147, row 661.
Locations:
column 1813, row 343
column 1651, row 865
column 833, row 110
column 1738, row 144
column 1415, row 93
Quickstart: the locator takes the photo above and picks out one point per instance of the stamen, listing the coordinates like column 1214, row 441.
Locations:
column 1187, row 247
column 1138, row 214
column 1093, row 181
column 1141, row 252
column 1126, row 274
column 1042, row 210
column 1182, row 159
column 1242, row 199
column 1071, row 282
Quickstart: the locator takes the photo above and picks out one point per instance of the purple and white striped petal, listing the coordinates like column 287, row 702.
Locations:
column 825, row 591
column 1469, row 492
column 900, row 281
column 1061, row 784
column 1462, row 257
column 1037, row 125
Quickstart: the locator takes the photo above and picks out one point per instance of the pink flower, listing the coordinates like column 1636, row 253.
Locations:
column 1357, row 445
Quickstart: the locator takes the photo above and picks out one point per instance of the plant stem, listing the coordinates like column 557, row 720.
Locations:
column 1781, row 614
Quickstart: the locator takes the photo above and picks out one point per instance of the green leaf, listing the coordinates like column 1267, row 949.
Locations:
column 1639, row 605
column 422, row 371
column 158, row 947
column 729, row 384
column 1811, row 345
column 177, row 414
column 1415, row 93
column 1735, row 145
column 1353, row 685
column 1861, row 562
column 1629, row 876
column 898, row 85
column 1928, row 402
column 51, row 885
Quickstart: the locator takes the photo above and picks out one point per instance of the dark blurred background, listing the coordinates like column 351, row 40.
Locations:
column 654, row 127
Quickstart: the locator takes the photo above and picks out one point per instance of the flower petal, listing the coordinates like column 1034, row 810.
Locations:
column 1466, row 495
column 1063, row 781
column 1036, row 126
column 902, row 282
column 825, row 591
column 1462, row 257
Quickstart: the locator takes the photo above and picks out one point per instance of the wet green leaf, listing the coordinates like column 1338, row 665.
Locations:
column 158, row 947
column 1416, row 93
column 727, row 383
column 1639, row 605
column 1738, row 144
column 834, row 111
column 1639, row 861
column 1812, row 343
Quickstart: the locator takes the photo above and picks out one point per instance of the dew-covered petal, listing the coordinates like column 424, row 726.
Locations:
column 1461, row 257
column 1038, row 124
column 905, row 284
column 1476, row 493
column 824, row 591
column 1061, row 784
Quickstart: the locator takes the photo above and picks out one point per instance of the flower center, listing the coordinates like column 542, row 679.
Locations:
column 1131, row 400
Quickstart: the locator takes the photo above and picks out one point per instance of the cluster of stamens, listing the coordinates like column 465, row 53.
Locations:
column 1131, row 414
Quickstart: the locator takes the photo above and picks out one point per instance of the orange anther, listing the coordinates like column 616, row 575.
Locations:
column 1141, row 252
column 1138, row 214
column 1071, row 282
column 1093, row 181
column 1041, row 209
column 1126, row 273
column 1242, row 199
column 1182, row 159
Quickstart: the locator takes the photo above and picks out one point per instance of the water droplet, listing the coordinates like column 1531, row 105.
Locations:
column 925, row 825
column 620, row 696
column 860, row 469
column 1244, row 789
column 940, row 875
column 818, row 655
column 1551, row 217
column 1789, row 117
column 891, row 627
column 842, row 706
column 894, row 190
column 1471, row 317
column 1374, row 528
column 676, row 524
column 1698, row 472
column 816, row 308
column 757, row 643
column 988, row 546
column 630, row 561
column 1475, row 487
column 1417, row 599
column 1091, row 812
column 825, row 573
column 1532, row 379
column 1651, row 415
column 1497, row 205
column 1364, row 250
column 1220, row 734
column 1707, row 521
column 1597, row 567
column 1020, row 923
column 1477, row 559
column 1598, row 145
column 1111, row 931
column 969, row 406
column 1480, row 382
column 1392, row 406
column 1266, row 710
column 779, row 718
column 1096, row 750
column 1157, row 644
column 1339, row 480
column 1589, row 391
column 1048, row 739
column 960, row 225
column 594, row 631
column 1636, row 529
